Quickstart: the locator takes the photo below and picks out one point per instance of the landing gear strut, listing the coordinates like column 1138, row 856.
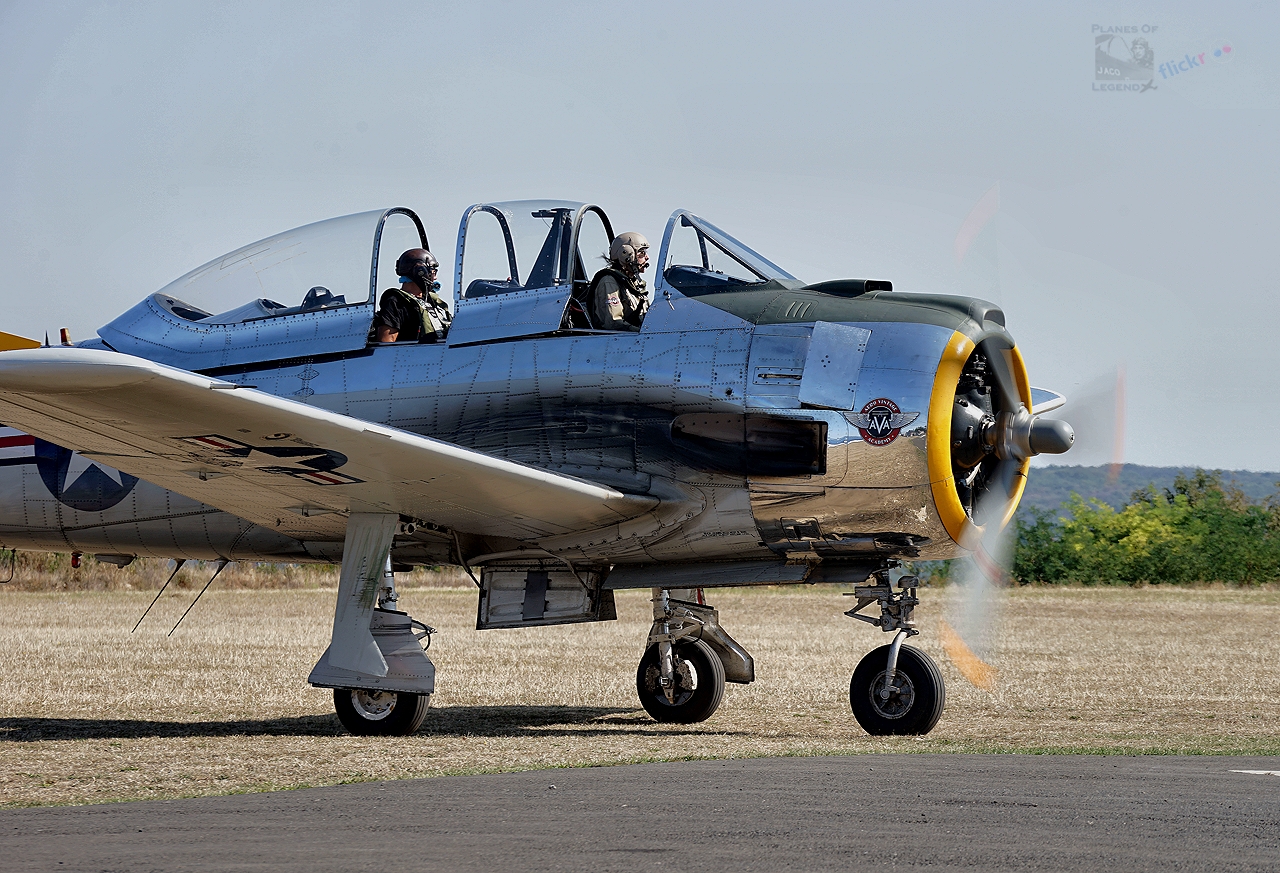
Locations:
column 687, row 660
column 381, row 676
column 895, row 689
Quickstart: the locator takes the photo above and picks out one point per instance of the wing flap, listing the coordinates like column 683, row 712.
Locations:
column 280, row 463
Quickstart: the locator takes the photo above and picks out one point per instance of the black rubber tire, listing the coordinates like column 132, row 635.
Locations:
column 913, row 713
column 693, row 704
column 404, row 712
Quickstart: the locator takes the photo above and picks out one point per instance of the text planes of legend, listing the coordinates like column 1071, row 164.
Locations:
column 747, row 429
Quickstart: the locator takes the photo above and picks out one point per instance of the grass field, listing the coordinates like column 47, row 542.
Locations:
column 92, row 713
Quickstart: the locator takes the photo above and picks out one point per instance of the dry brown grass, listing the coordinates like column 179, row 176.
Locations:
column 52, row 571
column 92, row 713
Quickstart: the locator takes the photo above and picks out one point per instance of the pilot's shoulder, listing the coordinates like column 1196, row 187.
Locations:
column 606, row 281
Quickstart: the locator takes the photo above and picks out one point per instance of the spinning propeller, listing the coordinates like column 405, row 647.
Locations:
column 1096, row 411
column 993, row 436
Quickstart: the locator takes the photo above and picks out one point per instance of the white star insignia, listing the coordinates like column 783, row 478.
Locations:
column 79, row 465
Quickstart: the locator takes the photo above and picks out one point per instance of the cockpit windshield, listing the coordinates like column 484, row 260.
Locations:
column 340, row 261
column 700, row 258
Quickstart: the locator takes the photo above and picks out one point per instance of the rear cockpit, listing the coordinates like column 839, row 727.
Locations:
column 333, row 269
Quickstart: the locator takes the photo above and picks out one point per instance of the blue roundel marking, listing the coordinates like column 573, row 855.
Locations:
column 90, row 491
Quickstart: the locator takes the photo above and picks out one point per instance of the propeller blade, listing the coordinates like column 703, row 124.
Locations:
column 1001, row 362
column 969, row 629
column 1096, row 411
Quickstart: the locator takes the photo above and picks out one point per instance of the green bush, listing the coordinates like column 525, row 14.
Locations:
column 1201, row 530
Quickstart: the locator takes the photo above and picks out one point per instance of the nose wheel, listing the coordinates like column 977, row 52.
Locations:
column 896, row 689
column 905, row 701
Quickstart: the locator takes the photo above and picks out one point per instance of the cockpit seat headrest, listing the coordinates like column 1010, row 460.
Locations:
column 319, row 297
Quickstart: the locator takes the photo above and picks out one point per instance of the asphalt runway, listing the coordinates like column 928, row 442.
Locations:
column 940, row 812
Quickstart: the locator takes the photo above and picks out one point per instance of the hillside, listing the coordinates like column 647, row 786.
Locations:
column 1049, row 487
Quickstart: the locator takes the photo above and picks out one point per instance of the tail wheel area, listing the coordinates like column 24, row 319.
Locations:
column 380, row 713
column 909, row 706
column 698, row 678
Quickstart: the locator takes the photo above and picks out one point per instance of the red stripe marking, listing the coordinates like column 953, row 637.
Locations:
column 216, row 442
column 24, row 440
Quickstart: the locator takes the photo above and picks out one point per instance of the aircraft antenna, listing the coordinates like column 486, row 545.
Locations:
column 221, row 564
column 158, row 593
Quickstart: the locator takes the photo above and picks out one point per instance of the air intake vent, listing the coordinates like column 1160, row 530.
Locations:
column 850, row 287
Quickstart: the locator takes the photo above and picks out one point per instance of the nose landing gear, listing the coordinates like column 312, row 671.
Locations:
column 896, row 689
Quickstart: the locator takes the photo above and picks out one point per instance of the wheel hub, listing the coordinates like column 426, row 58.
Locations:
column 892, row 701
column 373, row 705
column 685, row 679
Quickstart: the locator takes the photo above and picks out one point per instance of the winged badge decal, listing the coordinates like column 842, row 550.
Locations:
column 880, row 421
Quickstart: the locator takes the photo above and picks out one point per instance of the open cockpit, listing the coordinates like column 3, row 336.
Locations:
column 520, row 269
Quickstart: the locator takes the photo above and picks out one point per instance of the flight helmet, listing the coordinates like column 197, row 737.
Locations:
column 418, row 266
column 625, row 248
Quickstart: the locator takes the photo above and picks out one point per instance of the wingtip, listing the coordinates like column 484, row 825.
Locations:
column 11, row 342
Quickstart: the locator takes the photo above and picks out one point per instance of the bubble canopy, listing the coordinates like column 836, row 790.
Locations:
column 351, row 256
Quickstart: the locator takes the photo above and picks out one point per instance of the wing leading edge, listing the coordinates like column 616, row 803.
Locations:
column 280, row 463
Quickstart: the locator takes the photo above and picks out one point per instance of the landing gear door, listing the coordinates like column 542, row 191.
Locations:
column 541, row 594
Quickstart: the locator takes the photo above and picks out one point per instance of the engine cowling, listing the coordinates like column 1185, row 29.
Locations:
column 983, row 435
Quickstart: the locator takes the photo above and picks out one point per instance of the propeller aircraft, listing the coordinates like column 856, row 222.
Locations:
column 756, row 430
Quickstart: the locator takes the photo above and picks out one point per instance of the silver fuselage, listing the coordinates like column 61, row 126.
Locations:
column 599, row 407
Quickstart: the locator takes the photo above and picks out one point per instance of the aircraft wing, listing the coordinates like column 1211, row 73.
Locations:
column 283, row 464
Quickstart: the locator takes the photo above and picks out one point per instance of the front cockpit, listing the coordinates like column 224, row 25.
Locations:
column 338, row 262
column 699, row 258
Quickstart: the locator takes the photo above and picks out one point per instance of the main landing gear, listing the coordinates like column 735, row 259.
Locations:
column 381, row 677
column 895, row 689
column 688, row 659
column 380, row 713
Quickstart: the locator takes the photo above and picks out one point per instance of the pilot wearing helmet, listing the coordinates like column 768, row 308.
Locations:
column 617, row 297
column 413, row 312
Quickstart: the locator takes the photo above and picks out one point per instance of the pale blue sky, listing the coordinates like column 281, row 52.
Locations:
column 1135, row 229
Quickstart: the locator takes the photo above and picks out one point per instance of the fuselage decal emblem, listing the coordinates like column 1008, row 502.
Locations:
column 71, row 478
column 881, row 420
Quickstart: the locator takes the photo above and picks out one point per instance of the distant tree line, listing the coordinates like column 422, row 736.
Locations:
column 1201, row 530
